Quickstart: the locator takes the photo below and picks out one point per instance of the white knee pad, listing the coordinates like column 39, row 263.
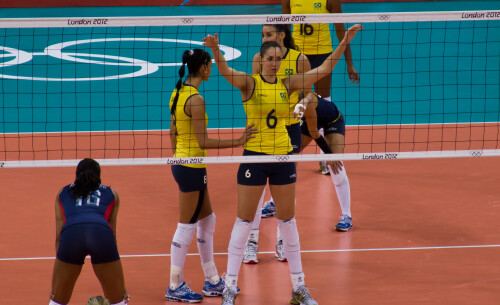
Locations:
column 206, row 227
column 239, row 236
column 184, row 233
column 289, row 234
column 340, row 178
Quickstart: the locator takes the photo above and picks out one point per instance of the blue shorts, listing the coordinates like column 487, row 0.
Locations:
column 94, row 239
column 190, row 179
column 317, row 59
column 257, row 173
column 332, row 127
column 295, row 137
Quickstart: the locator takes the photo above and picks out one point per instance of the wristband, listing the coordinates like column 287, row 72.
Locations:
column 299, row 111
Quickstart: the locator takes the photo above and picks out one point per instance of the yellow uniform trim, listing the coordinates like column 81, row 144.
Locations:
column 187, row 145
column 314, row 38
column 268, row 108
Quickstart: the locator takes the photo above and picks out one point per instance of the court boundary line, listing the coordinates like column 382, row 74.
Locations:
column 272, row 252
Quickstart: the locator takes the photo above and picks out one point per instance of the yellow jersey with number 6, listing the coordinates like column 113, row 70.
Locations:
column 311, row 38
column 268, row 108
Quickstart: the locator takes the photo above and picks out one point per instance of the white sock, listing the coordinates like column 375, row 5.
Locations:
column 343, row 190
column 205, row 242
column 236, row 249
column 258, row 213
column 297, row 280
column 180, row 244
column 54, row 303
column 121, row 303
column 328, row 98
column 291, row 244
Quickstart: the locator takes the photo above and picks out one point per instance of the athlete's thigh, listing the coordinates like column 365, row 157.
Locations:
column 64, row 277
column 188, row 202
column 248, row 200
column 323, row 85
column 206, row 208
column 111, row 277
column 336, row 142
column 284, row 199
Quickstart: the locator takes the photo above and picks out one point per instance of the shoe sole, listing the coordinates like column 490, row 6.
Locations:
column 284, row 260
column 267, row 215
column 251, row 262
column 211, row 293
column 182, row 300
column 339, row 229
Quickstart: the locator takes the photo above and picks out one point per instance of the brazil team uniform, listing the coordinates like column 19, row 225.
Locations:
column 189, row 177
column 312, row 39
column 268, row 108
column 328, row 117
column 289, row 66
column 86, row 230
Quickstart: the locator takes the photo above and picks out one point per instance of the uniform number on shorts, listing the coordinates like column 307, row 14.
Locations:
column 306, row 29
column 271, row 120
column 93, row 198
column 248, row 174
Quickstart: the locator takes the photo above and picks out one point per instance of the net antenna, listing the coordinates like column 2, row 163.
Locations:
column 99, row 87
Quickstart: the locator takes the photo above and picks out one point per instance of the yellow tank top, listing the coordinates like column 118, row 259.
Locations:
column 267, row 108
column 289, row 66
column 311, row 38
column 187, row 145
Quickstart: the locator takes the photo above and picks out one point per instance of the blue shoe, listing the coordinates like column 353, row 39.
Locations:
column 211, row 290
column 345, row 224
column 183, row 294
column 269, row 209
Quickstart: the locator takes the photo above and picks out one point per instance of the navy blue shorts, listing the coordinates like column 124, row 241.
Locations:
column 257, row 173
column 317, row 59
column 295, row 137
column 94, row 239
column 190, row 179
column 333, row 127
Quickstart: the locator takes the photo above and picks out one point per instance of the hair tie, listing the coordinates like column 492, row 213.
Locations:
column 191, row 52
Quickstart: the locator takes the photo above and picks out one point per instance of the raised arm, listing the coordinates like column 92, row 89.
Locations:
column 306, row 80
column 335, row 7
column 238, row 79
column 256, row 64
column 196, row 108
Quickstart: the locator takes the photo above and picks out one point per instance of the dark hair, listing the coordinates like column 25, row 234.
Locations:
column 288, row 40
column 194, row 59
column 267, row 45
column 88, row 178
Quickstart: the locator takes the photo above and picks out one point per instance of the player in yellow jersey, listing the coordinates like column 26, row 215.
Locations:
column 265, row 98
column 293, row 62
column 314, row 41
column 189, row 137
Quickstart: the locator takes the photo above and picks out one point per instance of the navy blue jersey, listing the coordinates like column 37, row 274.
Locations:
column 95, row 208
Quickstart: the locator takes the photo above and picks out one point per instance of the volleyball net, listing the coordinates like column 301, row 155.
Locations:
column 100, row 87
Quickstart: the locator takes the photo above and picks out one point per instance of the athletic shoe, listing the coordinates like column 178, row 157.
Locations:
column 269, row 209
column 183, row 294
column 251, row 250
column 280, row 251
column 323, row 169
column 301, row 296
column 211, row 290
column 229, row 295
column 345, row 223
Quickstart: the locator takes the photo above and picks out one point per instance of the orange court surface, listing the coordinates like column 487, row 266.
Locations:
column 425, row 232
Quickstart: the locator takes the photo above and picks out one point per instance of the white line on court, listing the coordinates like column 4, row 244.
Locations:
column 271, row 252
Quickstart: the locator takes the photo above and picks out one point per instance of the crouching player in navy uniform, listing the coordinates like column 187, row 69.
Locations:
column 86, row 214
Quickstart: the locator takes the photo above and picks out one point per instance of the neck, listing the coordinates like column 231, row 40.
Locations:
column 283, row 50
column 270, row 78
column 193, row 81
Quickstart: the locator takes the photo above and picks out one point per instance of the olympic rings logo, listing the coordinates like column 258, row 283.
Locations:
column 187, row 20
column 476, row 153
column 283, row 158
column 15, row 57
column 384, row 17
